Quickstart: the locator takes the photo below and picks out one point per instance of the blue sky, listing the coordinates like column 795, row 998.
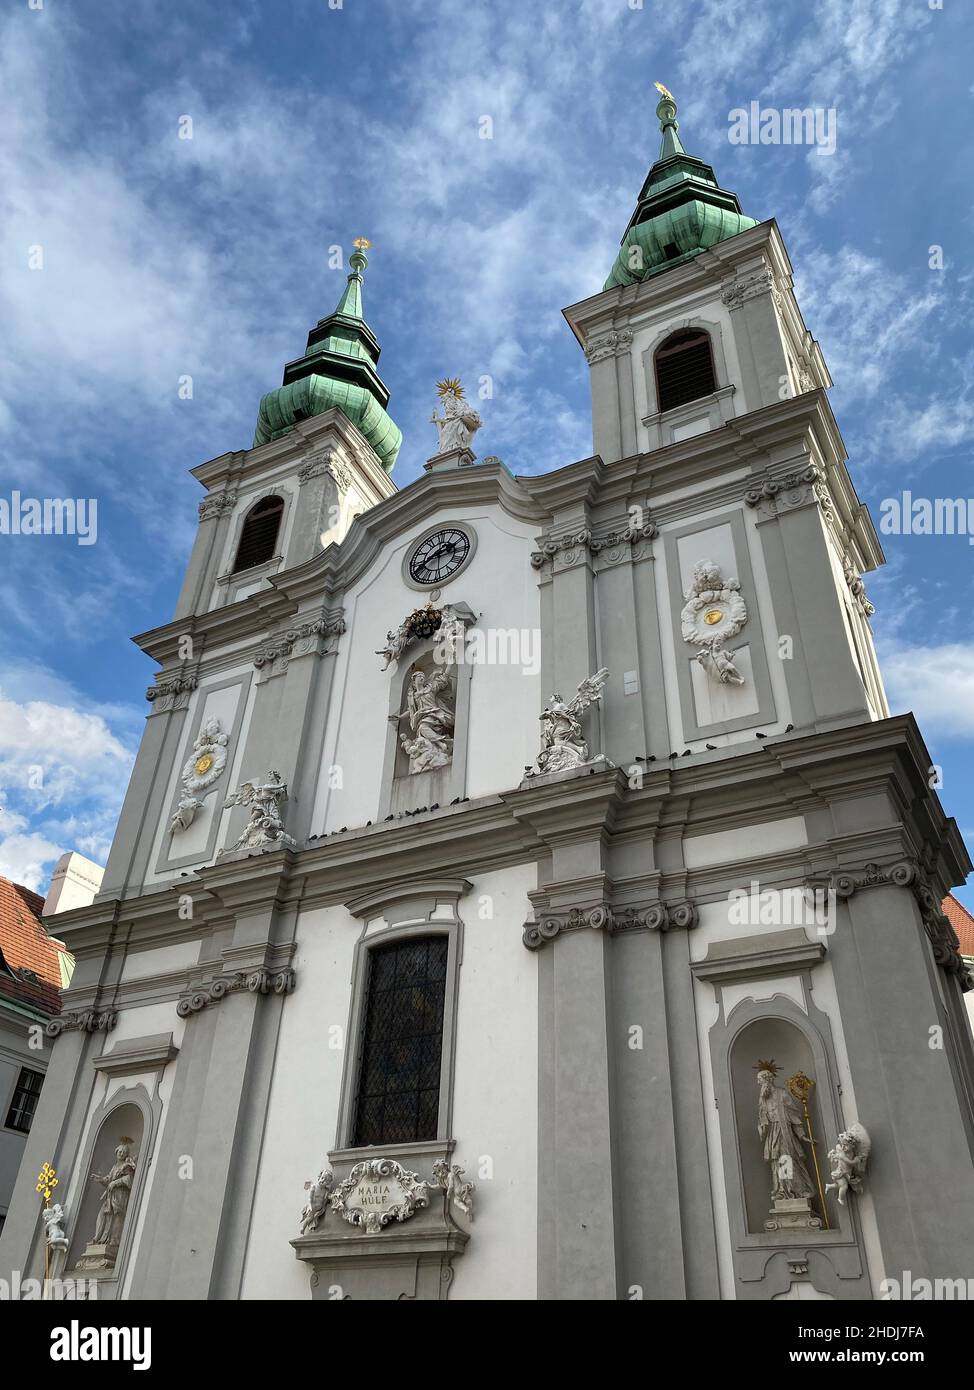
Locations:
column 314, row 123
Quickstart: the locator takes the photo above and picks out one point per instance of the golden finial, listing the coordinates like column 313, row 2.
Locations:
column 664, row 91
column 47, row 1181
column 770, row 1065
column 450, row 387
column 362, row 243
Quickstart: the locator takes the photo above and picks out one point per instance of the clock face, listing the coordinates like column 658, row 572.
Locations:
column 439, row 556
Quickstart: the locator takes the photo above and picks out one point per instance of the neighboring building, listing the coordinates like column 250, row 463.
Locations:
column 963, row 924
column 33, row 969
column 74, row 883
column 349, row 926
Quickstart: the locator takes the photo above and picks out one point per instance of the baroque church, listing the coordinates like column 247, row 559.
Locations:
column 523, row 890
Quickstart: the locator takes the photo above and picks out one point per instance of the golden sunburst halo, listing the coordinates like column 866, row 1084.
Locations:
column 450, row 386
column 362, row 243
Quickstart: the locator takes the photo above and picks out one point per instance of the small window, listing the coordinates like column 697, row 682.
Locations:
column 259, row 535
column 684, row 369
column 398, row 1096
column 24, row 1101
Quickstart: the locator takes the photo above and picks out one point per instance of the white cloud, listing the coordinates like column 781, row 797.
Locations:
column 935, row 683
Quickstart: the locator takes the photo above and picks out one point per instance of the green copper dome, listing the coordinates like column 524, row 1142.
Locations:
column 337, row 369
column 681, row 210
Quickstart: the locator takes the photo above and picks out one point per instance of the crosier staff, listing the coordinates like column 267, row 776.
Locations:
column 799, row 1085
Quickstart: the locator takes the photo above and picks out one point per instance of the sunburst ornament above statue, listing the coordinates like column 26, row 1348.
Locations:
column 450, row 386
column 768, row 1064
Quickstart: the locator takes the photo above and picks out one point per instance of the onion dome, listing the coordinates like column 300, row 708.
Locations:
column 337, row 369
column 681, row 210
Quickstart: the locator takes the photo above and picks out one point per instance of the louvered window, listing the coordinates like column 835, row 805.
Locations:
column 684, row 369
column 259, row 535
column 398, row 1095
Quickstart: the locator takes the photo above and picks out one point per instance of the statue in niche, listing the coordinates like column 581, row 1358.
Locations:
column 265, row 829
column 782, row 1127
column 429, row 742
column 459, row 423
column 847, row 1161
column 562, row 744
column 102, row 1249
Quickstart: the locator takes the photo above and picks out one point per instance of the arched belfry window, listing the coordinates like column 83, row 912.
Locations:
column 684, row 368
column 258, row 537
column 398, row 1093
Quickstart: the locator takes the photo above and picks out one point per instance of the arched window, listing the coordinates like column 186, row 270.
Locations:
column 259, row 535
column 398, row 1094
column 684, row 368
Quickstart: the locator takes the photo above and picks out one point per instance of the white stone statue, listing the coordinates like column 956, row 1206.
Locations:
column 428, row 710
column 102, row 1249
column 203, row 767
column 713, row 613
column 397, row 640
column 562, row 744
column 54, row 1233
column 265, row 829
column 459, row 423
column 317, row 1203
column 450, row 1179
column 847, row 1161
column 782, row 1127
column 449, row 638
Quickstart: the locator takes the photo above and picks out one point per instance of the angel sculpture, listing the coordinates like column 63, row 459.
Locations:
column 397, row 640
column 847, row 1161
column 317, row 1203
column 54, row 1233
column 265, row 829
column 562, row 744
column 430, row 721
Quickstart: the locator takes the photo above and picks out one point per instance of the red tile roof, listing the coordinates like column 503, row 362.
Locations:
column 30, row 952
column 962, row 922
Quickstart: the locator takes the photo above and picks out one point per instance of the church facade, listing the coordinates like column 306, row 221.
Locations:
column 409, row 978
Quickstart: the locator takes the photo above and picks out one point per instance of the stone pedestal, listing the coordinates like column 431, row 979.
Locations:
column 98, row 1255
column 453, row 458
column 792, row 1214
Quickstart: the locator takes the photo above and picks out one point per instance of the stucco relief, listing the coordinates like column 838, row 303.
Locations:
column 848, row 1160
column 611, row 548
column 657, row 917
column 204, row 765
column 562, row 744
column 714, row 612
column 265, row 828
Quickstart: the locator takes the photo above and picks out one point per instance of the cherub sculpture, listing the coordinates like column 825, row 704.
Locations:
column 562, row 744
column 397, row 640
column 317, row 1203
column 847, row 1161
column 265, row 829
column 54, row 1233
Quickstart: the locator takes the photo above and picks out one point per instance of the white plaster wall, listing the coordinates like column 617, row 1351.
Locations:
column 501, row 588
column 495, row 1108
column 495, row 1095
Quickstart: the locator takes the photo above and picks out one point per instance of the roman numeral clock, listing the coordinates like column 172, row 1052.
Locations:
column 439, row 555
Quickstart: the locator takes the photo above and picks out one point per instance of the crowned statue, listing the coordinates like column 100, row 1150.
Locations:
column 459, row 422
